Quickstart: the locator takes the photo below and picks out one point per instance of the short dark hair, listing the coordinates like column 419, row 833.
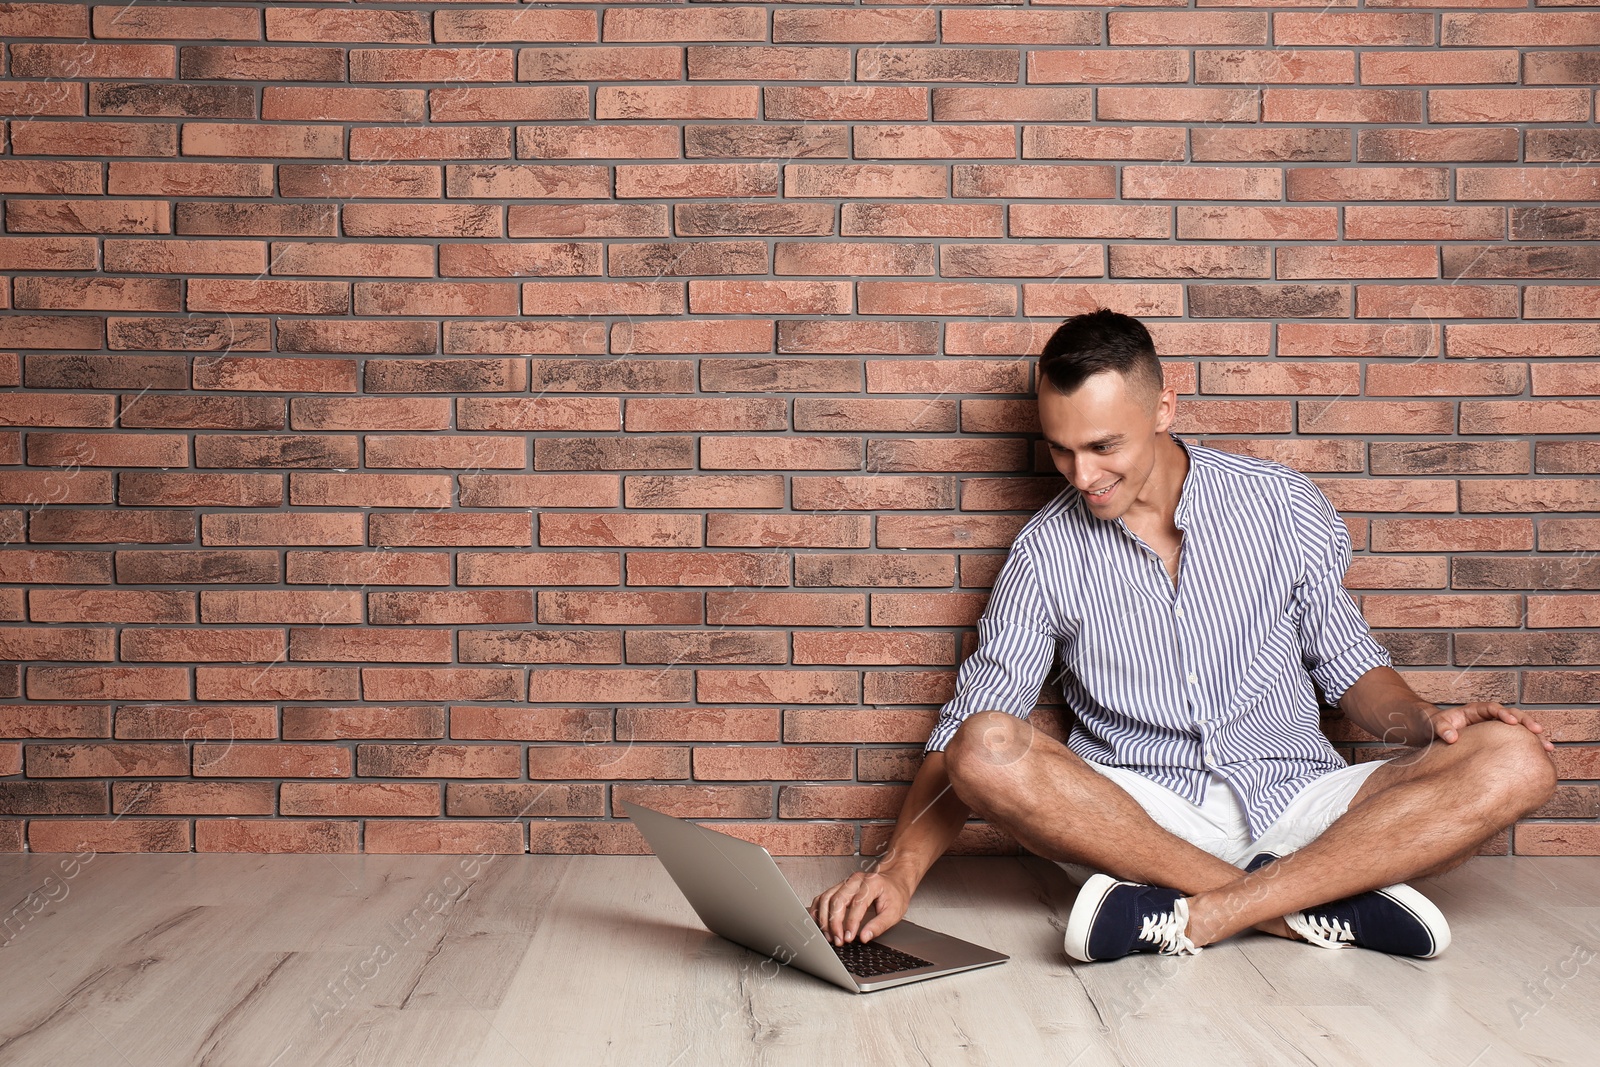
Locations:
column 1101, row 340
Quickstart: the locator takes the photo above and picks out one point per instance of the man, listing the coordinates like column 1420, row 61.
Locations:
column 1192, row 598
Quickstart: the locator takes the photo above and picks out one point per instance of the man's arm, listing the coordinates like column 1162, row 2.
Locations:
column 1016, row 645
column 1381, row 703
column 930, row 819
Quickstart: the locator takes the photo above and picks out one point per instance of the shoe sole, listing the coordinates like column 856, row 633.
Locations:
column 1084, row 913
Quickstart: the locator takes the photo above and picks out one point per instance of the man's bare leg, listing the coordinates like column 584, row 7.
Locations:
column 1042, row 793
column 1421, row 814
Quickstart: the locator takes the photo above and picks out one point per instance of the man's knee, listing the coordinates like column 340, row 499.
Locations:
column 1512, row 764
column 987, row 743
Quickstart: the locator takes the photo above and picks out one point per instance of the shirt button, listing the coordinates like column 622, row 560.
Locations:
column 1178, row 612
column 1194, row 679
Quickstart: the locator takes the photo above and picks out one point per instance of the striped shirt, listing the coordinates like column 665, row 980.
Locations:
column 1174, row 681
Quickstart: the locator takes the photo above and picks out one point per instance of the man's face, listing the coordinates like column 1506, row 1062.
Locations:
column 1103, row 436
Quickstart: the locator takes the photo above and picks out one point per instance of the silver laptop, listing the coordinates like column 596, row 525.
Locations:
column 738, row 892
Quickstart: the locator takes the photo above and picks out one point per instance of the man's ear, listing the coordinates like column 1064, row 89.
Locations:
column 1166, row 408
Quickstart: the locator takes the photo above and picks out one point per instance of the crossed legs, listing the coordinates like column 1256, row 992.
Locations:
column 1420, row 814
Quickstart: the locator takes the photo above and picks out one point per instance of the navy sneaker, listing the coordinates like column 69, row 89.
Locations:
column 1395, row 919
column 1112, row 918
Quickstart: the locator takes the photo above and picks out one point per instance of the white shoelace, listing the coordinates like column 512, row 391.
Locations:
column 1321, row 930
column 1167, row 930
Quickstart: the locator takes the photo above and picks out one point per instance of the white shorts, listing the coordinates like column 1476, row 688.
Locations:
column 1219, row 826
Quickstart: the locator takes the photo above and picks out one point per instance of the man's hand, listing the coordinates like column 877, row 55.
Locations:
column 839, row 910
column 1449, row 722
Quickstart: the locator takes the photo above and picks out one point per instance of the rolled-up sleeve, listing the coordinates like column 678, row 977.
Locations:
column 1016, row 646
column 1336, row 644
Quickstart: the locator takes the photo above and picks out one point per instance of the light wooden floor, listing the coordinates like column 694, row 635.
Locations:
column 165, row 960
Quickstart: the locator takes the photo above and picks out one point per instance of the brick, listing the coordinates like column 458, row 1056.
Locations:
column 1168, row 27
column 1518, row 339
column 1546, row 68
column 1357, row 261
column 938, row 64
column 1103, row 143
column 344, row 181
column 110, row 605
column 1437, row 223
column 697, row 180
column 788, row 762
column 1359, row 28
column 369, row 413
column 1551, row 301
column 1478, row 67
column 202, row 646
column 434, row 142
column 844, row 103
column 1388, row 106
column 292, row 103
column 1436, row 301
column 450, row 530
column 823, row 26
column 1508, row 105
column 45, row 20
column 827, row 569
column 1019, row 27
column 994, row 104
column 417, row 683
column 768, row 140
column 1270, row 301
column 766, row 63
column 393, row 27
column 1562, row 146
column 811, row 531
column 538, row 491
column 143, row 488
column 1128, row 298
column 896, row 219
column 539, row 646
column 1099, row 66
column 47, row 253
column 927, row 609
column 925, row 416
column 430, row 65
column 734, row 24
column 600, row 64
column 1088, row 220
column 603, row 298
column 700, row 646
column 1202, row 183
column 581, row 685
column 194, row 798
column 669, row 414
column 190, row 22
column 107, row 683
column 1346, row 183
column 85, row 60
column 1450, row 457
column 1256, row 66
column 1424, row 379
column 504, row 261
column 1162, row 261
column 178, row 256
column 1536, row 183
column 1462, row 609
column 714, row 335
column 1452, row 535
column 515, row 26
column 538, row 568
column 421, row 220
column 280, row 606
column 1443, row 144
column 746, row 569
column 596, row 142
column 88, row 216
column 1250, row 223
column 385, row 799
column 1519, row 261
column 922, row 142
column 196, row 566
column 98, row 294
column 438, row 761
column 43, row 137
column 369, row 490
column 1317, row 339
column 434, row 837
column 295, row 220
column 281, row 142
column 677, row 102
column 435, row 298
column 1130, row 103
column 259, row 63
column 104, row 527
column 272, row 374
column 943, row 376
column 459, row 453
column 1244, row 145
column 1531, row 28
column 51, row 177
column 108, row 836
column 777, row 686
column 600, row 453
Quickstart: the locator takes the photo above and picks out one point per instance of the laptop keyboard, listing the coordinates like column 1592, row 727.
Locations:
column 871, row 960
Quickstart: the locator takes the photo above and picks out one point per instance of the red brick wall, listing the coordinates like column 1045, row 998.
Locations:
column 421, row 417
